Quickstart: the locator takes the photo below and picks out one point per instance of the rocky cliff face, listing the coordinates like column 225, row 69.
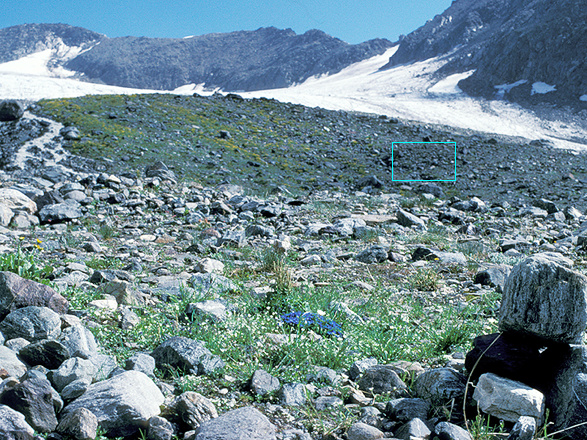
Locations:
column 531, row 43
column 19, row 41
column 247, row 60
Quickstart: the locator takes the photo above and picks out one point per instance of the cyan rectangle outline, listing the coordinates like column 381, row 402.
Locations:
column 421, row 180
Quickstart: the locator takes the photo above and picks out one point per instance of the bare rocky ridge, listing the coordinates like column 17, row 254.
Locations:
column 507, row 41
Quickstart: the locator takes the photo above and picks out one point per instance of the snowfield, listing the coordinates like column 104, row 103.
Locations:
column 409, row 91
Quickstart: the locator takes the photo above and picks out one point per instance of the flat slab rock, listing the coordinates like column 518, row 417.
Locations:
column 239, row 424
column 122, row 404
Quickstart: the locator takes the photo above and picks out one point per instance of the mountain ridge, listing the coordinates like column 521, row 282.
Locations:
column 507, row 42
column 266, row 58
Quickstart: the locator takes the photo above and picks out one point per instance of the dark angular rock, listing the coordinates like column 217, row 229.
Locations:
column 48, row 198
column 515, row 357
column 548, row 205
column 440, row 385
column 49, row 354
column 406, row 409
column 422, row 253
column 259, row 231
column 107, row 275
column 568, row 394
column 431, row 188
column 70, row 133
column 452, row 215
column 494, row 276
column 374, row 254
column 160, row 170
column 371, row 181
column 34, row 399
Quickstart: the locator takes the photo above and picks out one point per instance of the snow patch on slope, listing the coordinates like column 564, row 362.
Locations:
column 541, row 88
column 413, row 92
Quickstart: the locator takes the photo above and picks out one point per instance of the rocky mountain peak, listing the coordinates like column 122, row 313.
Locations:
column 506, row 41
column 19, row 41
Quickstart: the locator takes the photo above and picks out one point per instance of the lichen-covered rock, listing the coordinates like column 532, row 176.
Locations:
column 13, row 425
column 31, row 323
column 243, row 423
column 546, row 299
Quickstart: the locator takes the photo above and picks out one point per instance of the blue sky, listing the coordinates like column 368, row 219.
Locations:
column 353, row 21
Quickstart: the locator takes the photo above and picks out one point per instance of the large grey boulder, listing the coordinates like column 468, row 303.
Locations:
column 123, row 404
column 79, row 341
column 34, row 399
column 191, row 409
column 508, row 399
column 71, row 370
column 362, row 431
column 31, row 323
column 263, row 383
column 13, row 425
column 239, row 424
column 17, row 292
column 11, row 110
column 80, row 424
column 10, row 362
column 188, row 354
column 292, row 394
column 546, row 299
column 380, row 379
column 60, row 212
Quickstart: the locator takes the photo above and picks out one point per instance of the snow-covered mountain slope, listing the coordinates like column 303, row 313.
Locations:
column 35, row 77
column 413, row 91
